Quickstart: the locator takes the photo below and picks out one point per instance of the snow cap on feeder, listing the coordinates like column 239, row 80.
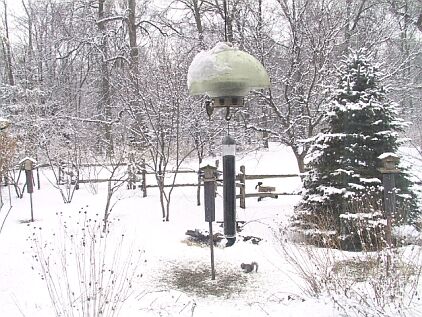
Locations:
column 226, row 74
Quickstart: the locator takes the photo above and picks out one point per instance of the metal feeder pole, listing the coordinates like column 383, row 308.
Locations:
column 388, row 181
column 209, row 174
column 30, row 190
column 28, row 166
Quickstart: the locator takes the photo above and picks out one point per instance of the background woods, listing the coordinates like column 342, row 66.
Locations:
column 90, row 78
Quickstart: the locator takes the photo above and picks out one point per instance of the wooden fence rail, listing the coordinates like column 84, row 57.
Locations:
column 143, row 172
column 242, row 177
column 141, row 176
column 250, row 177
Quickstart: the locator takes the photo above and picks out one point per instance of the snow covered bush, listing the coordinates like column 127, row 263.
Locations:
column 343, row 185
column 358, row 283
column 365, row 285
column 7, row 150
column 87, row 272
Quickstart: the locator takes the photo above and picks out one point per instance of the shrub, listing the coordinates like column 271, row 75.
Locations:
column 87, row 272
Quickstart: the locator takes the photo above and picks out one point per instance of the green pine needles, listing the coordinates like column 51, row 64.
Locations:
column 343, row 188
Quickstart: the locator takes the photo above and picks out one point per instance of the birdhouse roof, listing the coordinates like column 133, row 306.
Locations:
column 208, row 167
column 28, row 159
column 389, row 156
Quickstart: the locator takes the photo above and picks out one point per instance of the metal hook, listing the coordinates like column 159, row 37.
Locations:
column 225, row 20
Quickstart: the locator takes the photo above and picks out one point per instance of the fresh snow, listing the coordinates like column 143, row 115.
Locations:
column 27, row 158
column 330, row 190
column 388, row 154
column 276, row 290
column 369, row 180
column 356, row 186
column 360, row 215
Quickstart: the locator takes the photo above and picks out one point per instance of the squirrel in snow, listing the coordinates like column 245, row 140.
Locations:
column 247, row 268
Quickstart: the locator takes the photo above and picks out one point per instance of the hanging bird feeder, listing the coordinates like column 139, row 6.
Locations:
column 225, row 74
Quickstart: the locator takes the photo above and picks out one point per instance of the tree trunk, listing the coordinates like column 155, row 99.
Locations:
column 228, row 22
column 168, row 210
column 107, row 207
column 7, row 51
column 347, row 31
column 105, row 98
column 300, row 159
column 198, row 22
column 134, row 52
column 29, row 52
column 161, row 188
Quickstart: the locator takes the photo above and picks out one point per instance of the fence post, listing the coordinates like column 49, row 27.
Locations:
column 144, row 178
column 130, row 177
column 217, row 162
column 38, row 178
column 242, row 180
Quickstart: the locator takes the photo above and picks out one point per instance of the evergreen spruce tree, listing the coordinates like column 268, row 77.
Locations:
column 343, row 190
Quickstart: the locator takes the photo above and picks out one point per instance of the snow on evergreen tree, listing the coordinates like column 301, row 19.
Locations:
column 343, row 189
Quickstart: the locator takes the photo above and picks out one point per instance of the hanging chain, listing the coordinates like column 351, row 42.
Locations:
column 225, row 19
column 225, row 7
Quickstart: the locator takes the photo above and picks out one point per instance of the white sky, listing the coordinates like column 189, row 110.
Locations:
column 14, row 7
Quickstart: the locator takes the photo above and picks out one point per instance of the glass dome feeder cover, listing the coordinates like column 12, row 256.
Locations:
column 226, row 74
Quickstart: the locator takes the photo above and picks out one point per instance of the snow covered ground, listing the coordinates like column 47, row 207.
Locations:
column 171, row 276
